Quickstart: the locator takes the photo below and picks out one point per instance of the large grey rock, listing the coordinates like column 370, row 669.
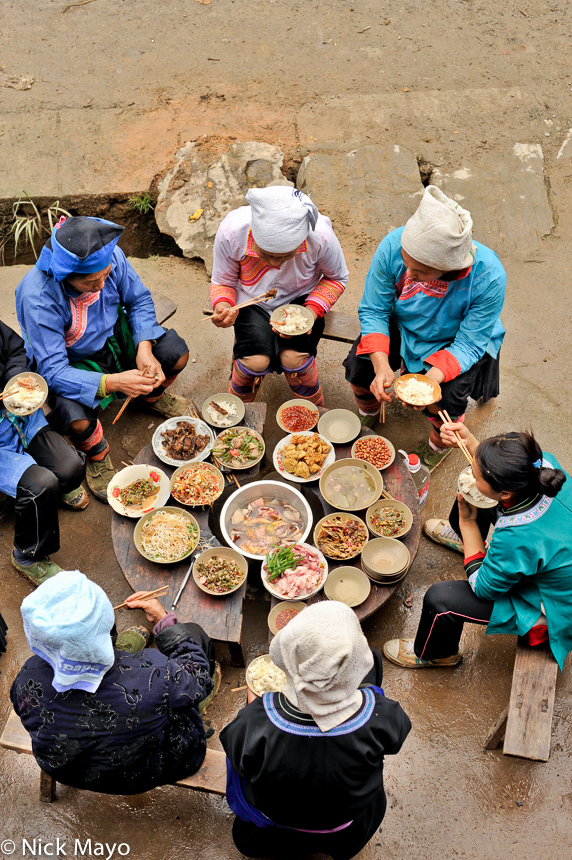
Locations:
column 366, row 192
column 506, row 195
column 215, row 184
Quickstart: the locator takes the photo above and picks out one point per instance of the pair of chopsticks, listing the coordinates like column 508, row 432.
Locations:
column 124, row 407
column 386, row 495
column 9, row 393
column 148, row 596
column 262, row 298
column 446, row 419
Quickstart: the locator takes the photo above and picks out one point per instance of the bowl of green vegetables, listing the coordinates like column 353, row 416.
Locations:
column 294, row 572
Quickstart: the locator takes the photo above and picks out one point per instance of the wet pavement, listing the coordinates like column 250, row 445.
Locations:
column 446, row 796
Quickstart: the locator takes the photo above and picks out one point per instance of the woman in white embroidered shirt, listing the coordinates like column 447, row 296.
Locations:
column 279, row 242
column 305, row 766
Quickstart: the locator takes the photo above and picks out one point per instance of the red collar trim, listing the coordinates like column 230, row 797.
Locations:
column 251, row 252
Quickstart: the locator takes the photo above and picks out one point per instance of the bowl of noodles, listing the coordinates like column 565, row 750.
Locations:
column 166, row 535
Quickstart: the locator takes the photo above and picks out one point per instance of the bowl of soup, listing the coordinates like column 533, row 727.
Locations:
column 351, row 484
column 263, row 516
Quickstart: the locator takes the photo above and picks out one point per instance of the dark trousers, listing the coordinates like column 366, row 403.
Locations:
column 281, row 842
column 59, row 469
column 447, row 606
column 168, row 349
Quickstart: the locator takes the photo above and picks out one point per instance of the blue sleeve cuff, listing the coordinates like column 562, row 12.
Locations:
column 153, row 333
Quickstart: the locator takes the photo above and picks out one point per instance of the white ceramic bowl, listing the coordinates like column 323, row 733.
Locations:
column 201, row 429
column 323, row 564
column 135, row 473
column 278, row 457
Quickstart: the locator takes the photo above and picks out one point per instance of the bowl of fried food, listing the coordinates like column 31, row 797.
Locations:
column 303, row 457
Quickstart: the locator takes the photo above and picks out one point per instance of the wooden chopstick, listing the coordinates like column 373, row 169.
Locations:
column 446, row 419
column 386, row 495
column 148, row 595
column 238, row 689
column 263, row 298
column 124, row 407
column 383, row 411
column 9, row 393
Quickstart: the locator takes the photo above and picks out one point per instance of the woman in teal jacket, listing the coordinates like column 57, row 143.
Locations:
column 523, row 583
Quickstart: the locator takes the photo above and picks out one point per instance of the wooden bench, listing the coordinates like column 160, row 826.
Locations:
column 210, row 777
column 338, row 325
column 526, row 722
column 164, row 307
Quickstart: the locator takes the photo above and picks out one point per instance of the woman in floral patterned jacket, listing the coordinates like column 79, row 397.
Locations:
column 141, row 726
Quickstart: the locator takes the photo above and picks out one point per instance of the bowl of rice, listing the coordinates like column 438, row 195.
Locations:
column 263, row 676
column 30, row 391
column 229, row 403
column 468, row 489
column 416, row 389
column 166, row 535
column 292, row 320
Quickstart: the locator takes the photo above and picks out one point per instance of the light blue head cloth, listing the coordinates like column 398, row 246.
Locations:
column 67, row 622
column 80, row 244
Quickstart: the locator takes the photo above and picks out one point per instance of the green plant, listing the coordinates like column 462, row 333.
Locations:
column 29, row 225
column 142, row 203
column 153, row 257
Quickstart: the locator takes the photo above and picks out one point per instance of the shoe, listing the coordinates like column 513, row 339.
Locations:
column 442, row 532
column 76, row 500
column 39, row 571
column 133, row 640
column 98, row 474
column 171, row 405
column 217, row 677
column 400, row 652
column 369, row 420
column 429, row 457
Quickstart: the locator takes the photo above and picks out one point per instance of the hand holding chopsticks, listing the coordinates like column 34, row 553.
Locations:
column 446, row 419
column 255, row 301
column 124, row 407
column 148, row 595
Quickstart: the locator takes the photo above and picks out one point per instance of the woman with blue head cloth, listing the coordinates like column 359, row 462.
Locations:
column 91, row 329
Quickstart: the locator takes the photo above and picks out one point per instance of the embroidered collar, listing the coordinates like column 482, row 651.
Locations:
column 525, row 512
column 251, row 251
column 291, row 728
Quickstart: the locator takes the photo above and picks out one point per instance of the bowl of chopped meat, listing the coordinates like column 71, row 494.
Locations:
column 182, row 440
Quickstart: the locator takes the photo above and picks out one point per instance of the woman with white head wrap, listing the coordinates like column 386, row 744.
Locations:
column 305, row 766
column 278, row 242
column 105, row 713
column 431, row 305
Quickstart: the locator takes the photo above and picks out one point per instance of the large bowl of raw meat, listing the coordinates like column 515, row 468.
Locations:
column 182, row 440
column 294, row 572
column 263, row 516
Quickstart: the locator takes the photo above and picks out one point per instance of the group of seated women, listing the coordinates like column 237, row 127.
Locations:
column 304, row 766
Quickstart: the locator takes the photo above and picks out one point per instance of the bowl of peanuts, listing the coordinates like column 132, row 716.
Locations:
column 375, row 450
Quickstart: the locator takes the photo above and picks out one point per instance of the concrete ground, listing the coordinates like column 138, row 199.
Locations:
column 118, row 87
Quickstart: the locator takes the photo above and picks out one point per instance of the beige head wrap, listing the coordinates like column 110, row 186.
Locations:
column 326, row 657
column 440, row 233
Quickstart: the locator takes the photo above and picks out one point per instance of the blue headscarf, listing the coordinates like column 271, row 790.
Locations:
column 79, row 245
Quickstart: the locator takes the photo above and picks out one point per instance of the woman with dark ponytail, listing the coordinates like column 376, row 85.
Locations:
column 523, row 583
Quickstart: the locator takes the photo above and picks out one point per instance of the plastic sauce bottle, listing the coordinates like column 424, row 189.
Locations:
column 420, row 474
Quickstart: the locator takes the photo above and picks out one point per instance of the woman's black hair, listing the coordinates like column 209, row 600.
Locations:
column 507, row 462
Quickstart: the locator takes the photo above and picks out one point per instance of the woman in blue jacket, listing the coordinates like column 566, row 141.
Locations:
column 431, row 305
column 523, row 583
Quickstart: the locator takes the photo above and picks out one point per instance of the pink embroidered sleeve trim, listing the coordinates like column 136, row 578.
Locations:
column 220, row 293
column 326, row 293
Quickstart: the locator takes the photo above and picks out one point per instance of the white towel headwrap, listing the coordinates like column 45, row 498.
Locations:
column 67, row 622
column 326, row 657
column 439, row 234
column 281, row 217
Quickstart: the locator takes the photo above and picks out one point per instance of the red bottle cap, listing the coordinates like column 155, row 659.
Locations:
column 413, row 460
